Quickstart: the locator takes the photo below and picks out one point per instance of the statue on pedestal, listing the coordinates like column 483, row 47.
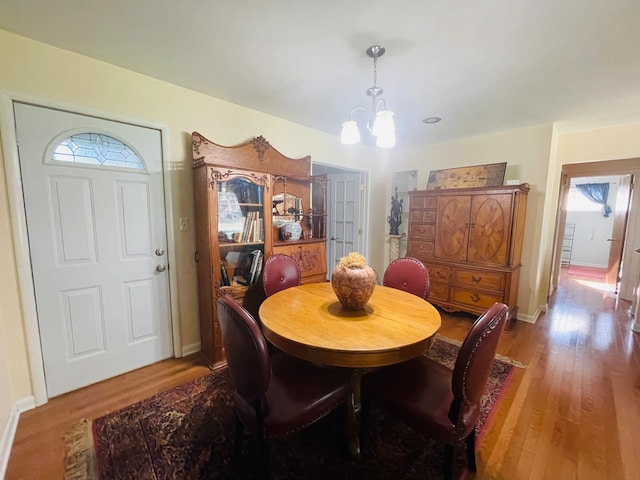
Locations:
column 395, row 218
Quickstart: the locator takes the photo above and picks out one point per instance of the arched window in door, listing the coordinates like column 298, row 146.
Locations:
column 96, row 149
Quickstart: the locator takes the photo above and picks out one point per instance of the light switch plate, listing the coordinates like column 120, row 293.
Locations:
column 184, row 224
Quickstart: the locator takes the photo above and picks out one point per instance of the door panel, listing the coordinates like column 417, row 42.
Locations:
column 344, row 217
column 103, row 308
column 490, row 224
column 452, row 234
column 616, row 241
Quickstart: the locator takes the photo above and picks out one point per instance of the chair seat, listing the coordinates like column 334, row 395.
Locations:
column 296, row 396
column 425, row 408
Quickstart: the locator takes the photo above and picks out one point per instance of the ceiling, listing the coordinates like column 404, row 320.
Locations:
column 483, row 66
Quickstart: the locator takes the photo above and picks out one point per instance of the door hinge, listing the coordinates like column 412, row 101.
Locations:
column 359, row 231
column 361, row 187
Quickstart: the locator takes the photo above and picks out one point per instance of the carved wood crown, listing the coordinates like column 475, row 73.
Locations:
column 258, row 178
column 261, row 145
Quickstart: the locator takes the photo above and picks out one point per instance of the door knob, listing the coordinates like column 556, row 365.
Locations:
column 334, row 238
column 611, row 240
column 160, row 268
column 637, row 250
column 159, row 252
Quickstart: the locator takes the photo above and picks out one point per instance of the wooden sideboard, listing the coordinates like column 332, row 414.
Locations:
column 470, row 239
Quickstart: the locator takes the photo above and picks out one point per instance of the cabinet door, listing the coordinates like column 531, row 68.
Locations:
column 240, row 231
column 490, row 226
column 452, row 233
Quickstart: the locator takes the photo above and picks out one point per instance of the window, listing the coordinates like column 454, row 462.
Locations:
column 96, row 149
column 577, row 202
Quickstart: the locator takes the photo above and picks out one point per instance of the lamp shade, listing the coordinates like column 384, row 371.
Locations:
column 350, row 133
column 388, row 140
column 383, row 126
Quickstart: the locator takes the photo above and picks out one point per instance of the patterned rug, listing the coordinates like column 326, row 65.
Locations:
column 187, row 433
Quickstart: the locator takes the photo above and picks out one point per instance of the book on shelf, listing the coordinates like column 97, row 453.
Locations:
column 224, row 276
column 249, row 268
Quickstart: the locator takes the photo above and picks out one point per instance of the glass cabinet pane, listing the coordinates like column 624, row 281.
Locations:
column 240, row 231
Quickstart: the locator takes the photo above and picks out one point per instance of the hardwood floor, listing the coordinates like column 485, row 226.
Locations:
column 573, row 413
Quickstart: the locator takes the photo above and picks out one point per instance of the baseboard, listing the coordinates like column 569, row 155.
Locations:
column 6, row 442
column 532, row 318
column 189, row 349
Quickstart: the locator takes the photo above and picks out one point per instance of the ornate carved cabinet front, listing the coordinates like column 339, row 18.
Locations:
column 471, row 241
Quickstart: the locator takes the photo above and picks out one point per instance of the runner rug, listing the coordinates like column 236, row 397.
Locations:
column 187, row 433
column 592, row 272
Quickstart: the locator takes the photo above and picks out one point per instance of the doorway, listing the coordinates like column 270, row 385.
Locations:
column 628, row 271
column 67, row 237
column 346, row 209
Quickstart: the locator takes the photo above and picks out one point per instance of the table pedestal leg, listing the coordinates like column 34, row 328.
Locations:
column 353, row 415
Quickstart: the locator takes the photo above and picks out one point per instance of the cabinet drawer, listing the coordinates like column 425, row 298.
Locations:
column 420, row 250
column 437, row 291
column 311, row 257
column 423, row 216
column 422, row 232
column 480, row 279
column 418, row 202
column 474, row 298
column 439, row 273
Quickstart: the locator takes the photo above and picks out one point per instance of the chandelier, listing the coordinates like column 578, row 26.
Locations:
column 382, row 127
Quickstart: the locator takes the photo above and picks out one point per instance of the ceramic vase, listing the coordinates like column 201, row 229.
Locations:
column 353, row 286
column 291, row 231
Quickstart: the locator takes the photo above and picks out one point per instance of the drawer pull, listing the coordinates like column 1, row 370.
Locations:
column 474, row 297
column 441, row 275
column 476, row 279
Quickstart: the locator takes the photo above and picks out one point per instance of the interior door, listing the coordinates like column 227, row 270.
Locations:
column 94, row 203
column 344, row 232
column 616, row 241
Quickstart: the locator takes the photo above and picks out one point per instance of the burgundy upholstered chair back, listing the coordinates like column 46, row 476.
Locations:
column 280, row 271
column 471, row 371
column 248, row 358
column 408, row 274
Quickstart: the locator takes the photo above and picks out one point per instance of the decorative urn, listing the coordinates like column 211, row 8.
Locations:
column 353, row 281
column 291, row 231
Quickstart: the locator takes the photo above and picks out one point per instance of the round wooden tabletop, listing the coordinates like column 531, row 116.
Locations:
column 309, row 322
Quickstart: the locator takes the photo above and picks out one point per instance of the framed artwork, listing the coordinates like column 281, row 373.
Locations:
column 489, row 175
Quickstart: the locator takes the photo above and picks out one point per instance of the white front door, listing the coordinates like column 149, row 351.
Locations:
column 94, row 203
column 345, row 229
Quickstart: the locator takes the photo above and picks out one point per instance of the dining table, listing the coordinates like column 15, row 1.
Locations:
column 309, row 322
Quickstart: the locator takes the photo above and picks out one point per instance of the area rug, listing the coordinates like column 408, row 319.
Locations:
column 187, row 433
column 592, row 272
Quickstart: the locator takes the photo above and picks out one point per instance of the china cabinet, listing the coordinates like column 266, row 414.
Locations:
column 471, row 241
column 251, row 201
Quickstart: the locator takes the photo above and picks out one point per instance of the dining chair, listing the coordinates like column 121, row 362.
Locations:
column 280, row 271
column 273, row 396
column 408, row 274
column 441, row 403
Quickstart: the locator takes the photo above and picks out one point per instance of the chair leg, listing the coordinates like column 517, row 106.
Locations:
column 471, row 450
column 365, row 418
column 264, row 454
column 237, row 442
column 448, row 462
